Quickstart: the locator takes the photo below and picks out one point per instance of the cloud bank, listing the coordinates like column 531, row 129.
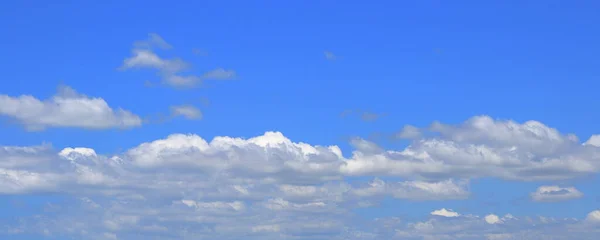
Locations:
column 186, row 187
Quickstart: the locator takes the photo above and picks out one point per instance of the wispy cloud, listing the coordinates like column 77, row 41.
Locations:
column 174, row 71
column 219, row 74
column 366, row 116
column 187, row 111
column 330, row 56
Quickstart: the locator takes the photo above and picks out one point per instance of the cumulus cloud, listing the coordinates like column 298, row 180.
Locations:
column 174, row 71
column 594, row 216
column 67, row 108
column 445, row 213
column 492, row 219
column 555, row 194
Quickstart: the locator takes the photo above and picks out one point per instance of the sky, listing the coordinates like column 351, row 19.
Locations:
column 299, row 120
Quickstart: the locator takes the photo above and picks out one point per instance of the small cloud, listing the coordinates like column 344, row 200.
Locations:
column 219, row 74
column 555, row 194
column 187, row 111
column 182, row 81
column 445, row 213
column 330, row 56
column 593, row 141
column 365, row 146
column 409, row 132
column 492, row 219
column 364, row 115
column 369, row 116
column 143, row 58
column 153, row 40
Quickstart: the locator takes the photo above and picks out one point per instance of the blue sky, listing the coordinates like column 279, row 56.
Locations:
column 510, row 83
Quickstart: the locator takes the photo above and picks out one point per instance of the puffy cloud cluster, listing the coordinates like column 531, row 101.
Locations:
column 185, row 187
column 483, row 147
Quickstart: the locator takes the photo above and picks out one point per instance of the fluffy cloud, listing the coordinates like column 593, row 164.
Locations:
column 594, row 216
column 555, row 194
column 172, row 70
column 445, row 213
column 484, row 147
column 593, row 141
column 66, row 109
column 186, row 187
column 492, row 219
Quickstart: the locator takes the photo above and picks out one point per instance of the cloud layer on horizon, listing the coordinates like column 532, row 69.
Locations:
column 185, row 187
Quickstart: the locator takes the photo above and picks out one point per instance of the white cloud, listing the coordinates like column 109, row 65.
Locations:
column 20, row 181
column 593, row 141
column 271, row 155
column 555, row 194
column 144, row 58
column 409, row 132
column 66, row 109
column 492, row 219
column 171, row 70
column 445, row 213
column 187, row 111
column 73, row 153
column 594, row 216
